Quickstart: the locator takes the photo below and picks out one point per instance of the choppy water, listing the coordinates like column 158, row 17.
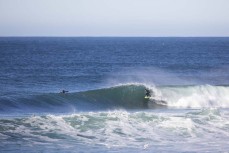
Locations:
column 105, row 109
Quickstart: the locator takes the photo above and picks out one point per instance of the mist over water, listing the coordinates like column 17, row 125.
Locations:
column 105, row 109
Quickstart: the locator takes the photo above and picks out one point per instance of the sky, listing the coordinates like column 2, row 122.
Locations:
column 150, row 18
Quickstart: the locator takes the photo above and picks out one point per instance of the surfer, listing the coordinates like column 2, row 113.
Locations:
column 148, row 93
column 64, row 91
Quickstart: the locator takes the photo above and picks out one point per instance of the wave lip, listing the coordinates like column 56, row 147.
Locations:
column 127, row 96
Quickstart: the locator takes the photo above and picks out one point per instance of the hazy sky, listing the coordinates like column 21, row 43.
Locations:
column 114, row 17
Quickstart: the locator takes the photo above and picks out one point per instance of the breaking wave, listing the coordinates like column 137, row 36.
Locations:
column 195, row 96
column 129, row 96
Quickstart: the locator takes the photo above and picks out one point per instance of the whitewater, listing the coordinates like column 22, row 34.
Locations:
column 105, row 109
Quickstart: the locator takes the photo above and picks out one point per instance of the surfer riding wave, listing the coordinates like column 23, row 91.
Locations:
column 148, row 93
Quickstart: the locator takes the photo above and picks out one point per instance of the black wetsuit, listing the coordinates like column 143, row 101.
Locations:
column 64, row 91
column 147, row 93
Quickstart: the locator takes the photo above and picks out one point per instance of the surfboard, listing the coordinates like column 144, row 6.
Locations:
column 147, row 97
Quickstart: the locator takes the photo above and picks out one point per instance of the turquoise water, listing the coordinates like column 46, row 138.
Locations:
column 105, row 109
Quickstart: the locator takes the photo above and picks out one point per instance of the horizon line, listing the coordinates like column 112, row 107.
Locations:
column 46, row 36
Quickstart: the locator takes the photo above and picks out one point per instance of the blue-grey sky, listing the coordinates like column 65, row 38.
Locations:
column 114, row 18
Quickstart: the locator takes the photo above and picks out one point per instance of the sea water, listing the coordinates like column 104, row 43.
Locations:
column 104, row 109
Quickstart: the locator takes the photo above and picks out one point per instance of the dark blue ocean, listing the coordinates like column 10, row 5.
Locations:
column 105, row 108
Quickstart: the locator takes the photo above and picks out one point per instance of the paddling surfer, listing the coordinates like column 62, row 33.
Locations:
column 64, row 91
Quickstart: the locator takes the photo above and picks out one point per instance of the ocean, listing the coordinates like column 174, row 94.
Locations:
column 105, row 109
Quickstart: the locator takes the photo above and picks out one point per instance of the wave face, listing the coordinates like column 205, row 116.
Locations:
column 129, row 96
column 124, row 96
